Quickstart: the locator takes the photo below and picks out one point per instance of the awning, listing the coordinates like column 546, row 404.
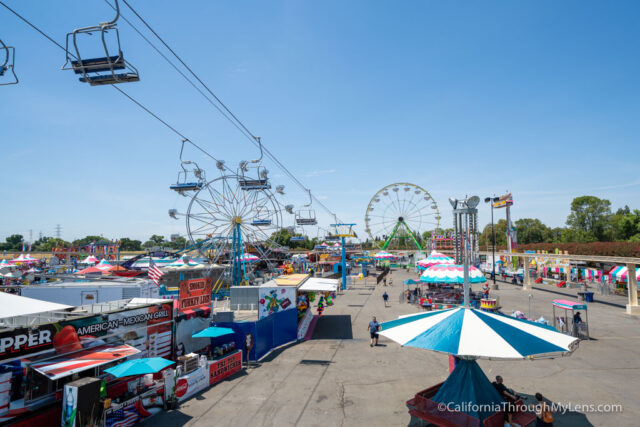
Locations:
column 569, row 305
column 316, row 284
column 213, row 332
column 90, row 358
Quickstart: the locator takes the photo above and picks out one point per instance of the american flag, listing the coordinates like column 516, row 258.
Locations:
column 154, row 272
column 124, row 417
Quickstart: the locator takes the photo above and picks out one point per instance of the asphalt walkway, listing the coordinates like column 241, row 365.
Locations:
column 336, row 379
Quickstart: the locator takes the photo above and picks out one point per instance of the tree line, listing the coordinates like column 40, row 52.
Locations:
column 15, row 243
column 590, row 220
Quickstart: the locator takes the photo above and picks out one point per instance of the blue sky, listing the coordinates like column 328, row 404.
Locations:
column 539, row 98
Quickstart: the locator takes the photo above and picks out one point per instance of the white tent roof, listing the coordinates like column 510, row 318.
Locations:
column 14, row 305
column 318, row 284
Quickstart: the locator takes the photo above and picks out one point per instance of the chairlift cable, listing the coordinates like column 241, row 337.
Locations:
column 166, row 124
column 139, row 104
column 233, row 118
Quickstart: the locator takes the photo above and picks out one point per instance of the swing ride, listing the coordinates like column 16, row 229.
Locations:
column 397, row 214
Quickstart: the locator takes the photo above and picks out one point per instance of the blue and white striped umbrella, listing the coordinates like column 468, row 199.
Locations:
column 468, row 332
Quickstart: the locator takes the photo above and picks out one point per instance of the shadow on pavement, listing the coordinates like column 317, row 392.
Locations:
column 333, row 327
column 168, row 418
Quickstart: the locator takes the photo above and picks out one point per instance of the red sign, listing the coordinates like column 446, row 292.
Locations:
column 224, row 368
column 182, row 387
column 195, row 293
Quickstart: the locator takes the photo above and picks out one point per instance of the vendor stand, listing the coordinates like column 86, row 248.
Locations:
column 570, row 326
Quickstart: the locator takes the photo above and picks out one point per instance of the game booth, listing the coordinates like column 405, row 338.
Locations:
column 205, row 354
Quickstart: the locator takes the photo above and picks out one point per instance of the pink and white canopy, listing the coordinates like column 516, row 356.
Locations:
column 621, row 273
column 384, row 255
column 104, row 265
column 247, row 257
column 337, row 245
column 28, row 259
column 90, row 260
column 434, row 259
column 451, row 274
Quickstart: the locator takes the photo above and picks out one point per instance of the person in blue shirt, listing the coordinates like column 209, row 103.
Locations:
column 374, row 327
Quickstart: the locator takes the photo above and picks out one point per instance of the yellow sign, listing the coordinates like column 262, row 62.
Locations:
column 504, row 201
column 291, row 279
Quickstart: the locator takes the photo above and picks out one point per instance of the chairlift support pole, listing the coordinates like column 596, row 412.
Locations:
column 344, row 251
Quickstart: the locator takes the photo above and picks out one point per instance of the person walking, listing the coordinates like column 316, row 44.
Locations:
column 373, row 328
column 385, row 297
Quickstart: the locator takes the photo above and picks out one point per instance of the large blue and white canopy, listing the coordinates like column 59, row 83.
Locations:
column 468, row 332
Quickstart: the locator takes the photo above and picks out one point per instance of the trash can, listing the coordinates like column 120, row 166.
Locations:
column 588, row 296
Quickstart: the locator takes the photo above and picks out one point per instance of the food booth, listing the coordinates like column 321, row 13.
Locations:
column 41, row 352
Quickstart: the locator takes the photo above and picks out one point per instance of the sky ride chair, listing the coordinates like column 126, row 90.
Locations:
column 246, row 181
column 106, row 70
column 192, row 179
column 306, row 216
column 7, row 66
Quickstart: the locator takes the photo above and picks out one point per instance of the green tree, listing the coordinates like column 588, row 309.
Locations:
column 625, row 224
column 531, row 230
column 12, row 243
column 46, row 244
column 127, row 244
column 501, row 233
column 178, row 243
column 554, row 235
column 590, row 216
column 88, row 240
column 570, row 235
column 154, row 240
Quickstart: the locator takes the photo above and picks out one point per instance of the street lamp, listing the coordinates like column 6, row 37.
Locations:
column 493, row 231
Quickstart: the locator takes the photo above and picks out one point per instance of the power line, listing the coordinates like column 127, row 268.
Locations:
column 229, row 116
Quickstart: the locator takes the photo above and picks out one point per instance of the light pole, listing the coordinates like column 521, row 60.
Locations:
column 491, row 200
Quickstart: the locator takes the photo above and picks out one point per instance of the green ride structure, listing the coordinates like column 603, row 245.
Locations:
column 397, row 215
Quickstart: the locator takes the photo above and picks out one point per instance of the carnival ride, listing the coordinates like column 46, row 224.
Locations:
column 397, row 212
column 235, row 213
column 7, row 72
column 231, row 216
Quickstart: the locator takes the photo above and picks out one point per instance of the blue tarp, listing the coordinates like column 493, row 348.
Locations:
column 469, row 387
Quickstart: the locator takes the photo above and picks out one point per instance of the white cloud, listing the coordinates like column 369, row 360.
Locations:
column 320, row 172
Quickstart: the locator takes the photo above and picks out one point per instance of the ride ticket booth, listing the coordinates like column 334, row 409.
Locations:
column 566, row 320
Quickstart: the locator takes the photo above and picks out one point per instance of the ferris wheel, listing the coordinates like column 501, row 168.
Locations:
column 233, row 219
column 398, row 213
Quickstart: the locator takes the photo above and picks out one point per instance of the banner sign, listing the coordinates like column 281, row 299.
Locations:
column 223, row 368
column 303, row 327
column 65, row 336
column 195, row 293
column 192, row 383
column 275, row 299
column 504, row 201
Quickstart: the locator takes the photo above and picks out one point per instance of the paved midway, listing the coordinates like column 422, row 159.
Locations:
column 336, row 379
